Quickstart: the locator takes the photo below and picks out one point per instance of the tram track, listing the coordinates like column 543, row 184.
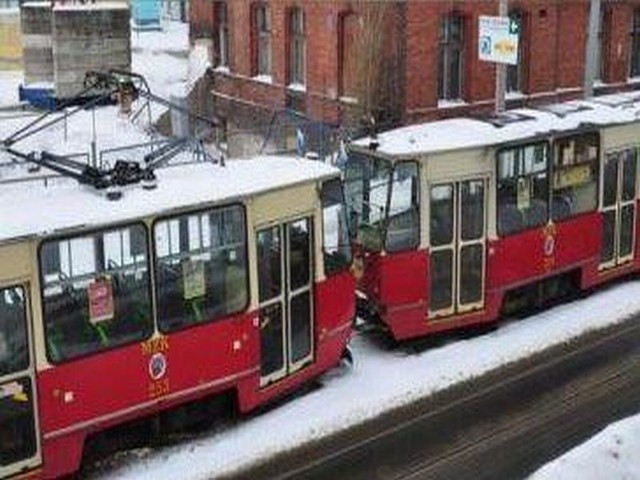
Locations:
column 502, row 425
column 552, row 410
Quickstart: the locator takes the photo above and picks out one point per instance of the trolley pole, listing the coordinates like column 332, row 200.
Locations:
column 501, row 68
column 591, row 57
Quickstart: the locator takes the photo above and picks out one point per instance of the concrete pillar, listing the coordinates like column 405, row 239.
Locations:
column 37, row 42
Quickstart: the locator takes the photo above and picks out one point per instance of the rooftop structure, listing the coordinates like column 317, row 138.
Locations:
column 63, row 40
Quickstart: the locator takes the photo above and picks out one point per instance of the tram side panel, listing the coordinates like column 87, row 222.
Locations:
column 115, row 383
column 195, row 352
column 522, row 258
column 547, row 219
column 397, row 286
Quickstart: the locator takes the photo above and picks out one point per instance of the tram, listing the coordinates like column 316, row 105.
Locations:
column 462, row 219
column 213, row 282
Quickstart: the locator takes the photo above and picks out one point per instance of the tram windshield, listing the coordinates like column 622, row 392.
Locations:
column 383, row 202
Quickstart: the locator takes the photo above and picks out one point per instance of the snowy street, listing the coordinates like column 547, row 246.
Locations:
column 611, row 454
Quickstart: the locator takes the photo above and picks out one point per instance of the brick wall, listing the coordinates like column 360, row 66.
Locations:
column 553, row 54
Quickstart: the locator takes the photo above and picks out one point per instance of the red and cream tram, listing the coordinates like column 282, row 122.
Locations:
column 222, row 279
column 461, row 219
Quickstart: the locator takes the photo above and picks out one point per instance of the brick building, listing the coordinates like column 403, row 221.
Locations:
column 337, row 61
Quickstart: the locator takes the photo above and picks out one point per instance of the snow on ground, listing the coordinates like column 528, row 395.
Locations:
column 162, row 57
column 380, row 380
column 612, row 454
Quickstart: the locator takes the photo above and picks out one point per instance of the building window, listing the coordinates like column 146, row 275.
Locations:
column 602, row 44
column 297, row 54
column 262, row 19
column 635, row 45
column 221, row 34
column 515, row 73
column 348, row 67
column 450, row 57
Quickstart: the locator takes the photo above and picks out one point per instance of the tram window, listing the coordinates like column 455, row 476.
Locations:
column 336, row 246
column 575, row 176
column 629, row 174
column 14, row 348
column 523, row 187
column 366, row 189
column 404, row 208
column 98, row 298
column 472, row 209
column 441, row 222
column 17, row 427
column 299, row 254
column 201, row 268
column 269, row 246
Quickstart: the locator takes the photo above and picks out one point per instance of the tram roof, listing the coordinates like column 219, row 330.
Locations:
column 512, row 126
column 31, row 209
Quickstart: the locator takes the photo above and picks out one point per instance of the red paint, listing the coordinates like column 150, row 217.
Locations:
column 93, row 393
column 397, row 284
column 519, row 259
column 551, row 72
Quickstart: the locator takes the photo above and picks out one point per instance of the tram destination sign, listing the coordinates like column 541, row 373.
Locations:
column 498, row 39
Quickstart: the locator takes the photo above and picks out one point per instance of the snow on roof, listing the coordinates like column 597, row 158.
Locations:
column 464, row 133
column 29, row 211
column 112, row 5
column 36, row 4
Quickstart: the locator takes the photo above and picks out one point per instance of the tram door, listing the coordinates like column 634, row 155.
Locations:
column 618, row 208
column 285, row 288
column 19, row 442
column 457, row 251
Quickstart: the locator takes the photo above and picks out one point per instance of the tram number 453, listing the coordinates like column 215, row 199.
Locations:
column 158, row 388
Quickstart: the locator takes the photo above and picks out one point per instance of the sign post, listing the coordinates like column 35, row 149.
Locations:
column 498, row 43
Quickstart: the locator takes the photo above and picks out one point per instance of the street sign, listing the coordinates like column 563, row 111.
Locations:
column 498, row 39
